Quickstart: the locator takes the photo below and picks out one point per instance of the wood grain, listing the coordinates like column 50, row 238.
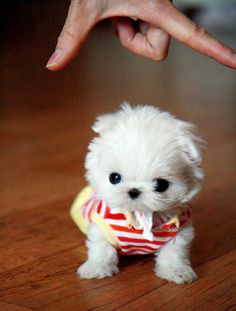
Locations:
column 45, row 121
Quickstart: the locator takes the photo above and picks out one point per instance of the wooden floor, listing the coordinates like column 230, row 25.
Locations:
column 45, row 130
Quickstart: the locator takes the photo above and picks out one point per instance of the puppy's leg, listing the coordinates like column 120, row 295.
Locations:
column 172, row 262
column 102, row 256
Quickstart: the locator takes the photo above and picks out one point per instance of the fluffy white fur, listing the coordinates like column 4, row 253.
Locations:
column 143, row 143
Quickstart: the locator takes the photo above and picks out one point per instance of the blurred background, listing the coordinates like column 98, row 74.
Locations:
column 28, row 36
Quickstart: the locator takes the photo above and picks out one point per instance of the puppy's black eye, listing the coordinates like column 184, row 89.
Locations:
column 114, row 178
column 161, row 185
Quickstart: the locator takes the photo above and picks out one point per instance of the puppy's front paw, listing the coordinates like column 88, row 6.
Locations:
column 178, row 274
column 91, row 270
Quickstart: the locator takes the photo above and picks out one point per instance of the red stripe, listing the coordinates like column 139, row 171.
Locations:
column 99, row 207
column 91, row 210
column 126, row 229
column 85, row 207
column 168, row 226
column 108, row 215
column 124, row 239
column 164, row 234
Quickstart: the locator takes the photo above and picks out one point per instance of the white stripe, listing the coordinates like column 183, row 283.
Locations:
column 122, row 243
column 139, row 236
column 103, row 209
column 117, row 222
column 87, row 209
column 91, row 209
column 95, row 204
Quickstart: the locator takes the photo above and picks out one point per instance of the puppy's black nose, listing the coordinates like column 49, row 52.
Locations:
column 134, row 193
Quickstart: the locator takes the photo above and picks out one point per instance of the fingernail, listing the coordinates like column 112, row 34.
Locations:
column 53, row 59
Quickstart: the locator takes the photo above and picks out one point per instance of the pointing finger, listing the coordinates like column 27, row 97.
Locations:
column 79, row 22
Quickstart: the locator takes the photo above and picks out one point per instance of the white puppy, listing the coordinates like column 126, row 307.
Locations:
column 145, row 164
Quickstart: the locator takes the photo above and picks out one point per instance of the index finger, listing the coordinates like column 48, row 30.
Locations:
column 189, row 33
column 80, row 20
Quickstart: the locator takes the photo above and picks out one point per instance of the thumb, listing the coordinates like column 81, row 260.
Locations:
column 79, row 21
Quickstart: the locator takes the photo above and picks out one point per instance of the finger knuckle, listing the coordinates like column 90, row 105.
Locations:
column 89, row 6
column 66, row 36
column 77, row 2
column 196, row 32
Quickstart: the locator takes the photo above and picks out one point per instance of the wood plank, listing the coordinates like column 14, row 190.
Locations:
column 33, row 284
column 214, row 290
column 11, row 307
column 34, row 234
column 134, row 288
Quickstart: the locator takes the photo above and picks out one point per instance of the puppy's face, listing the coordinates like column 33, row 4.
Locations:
column 143, row 159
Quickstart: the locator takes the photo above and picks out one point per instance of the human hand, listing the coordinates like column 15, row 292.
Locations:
column 144, row 27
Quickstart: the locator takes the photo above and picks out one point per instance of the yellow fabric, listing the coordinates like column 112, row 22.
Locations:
column 106, row 229
column 76, row 209
column 77, row 216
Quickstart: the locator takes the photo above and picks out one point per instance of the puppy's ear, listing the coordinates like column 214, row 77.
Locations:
column 106, row 122
column 103, row 123
column 191, row 146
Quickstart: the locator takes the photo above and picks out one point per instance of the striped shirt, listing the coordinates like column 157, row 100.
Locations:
column 131, row 240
